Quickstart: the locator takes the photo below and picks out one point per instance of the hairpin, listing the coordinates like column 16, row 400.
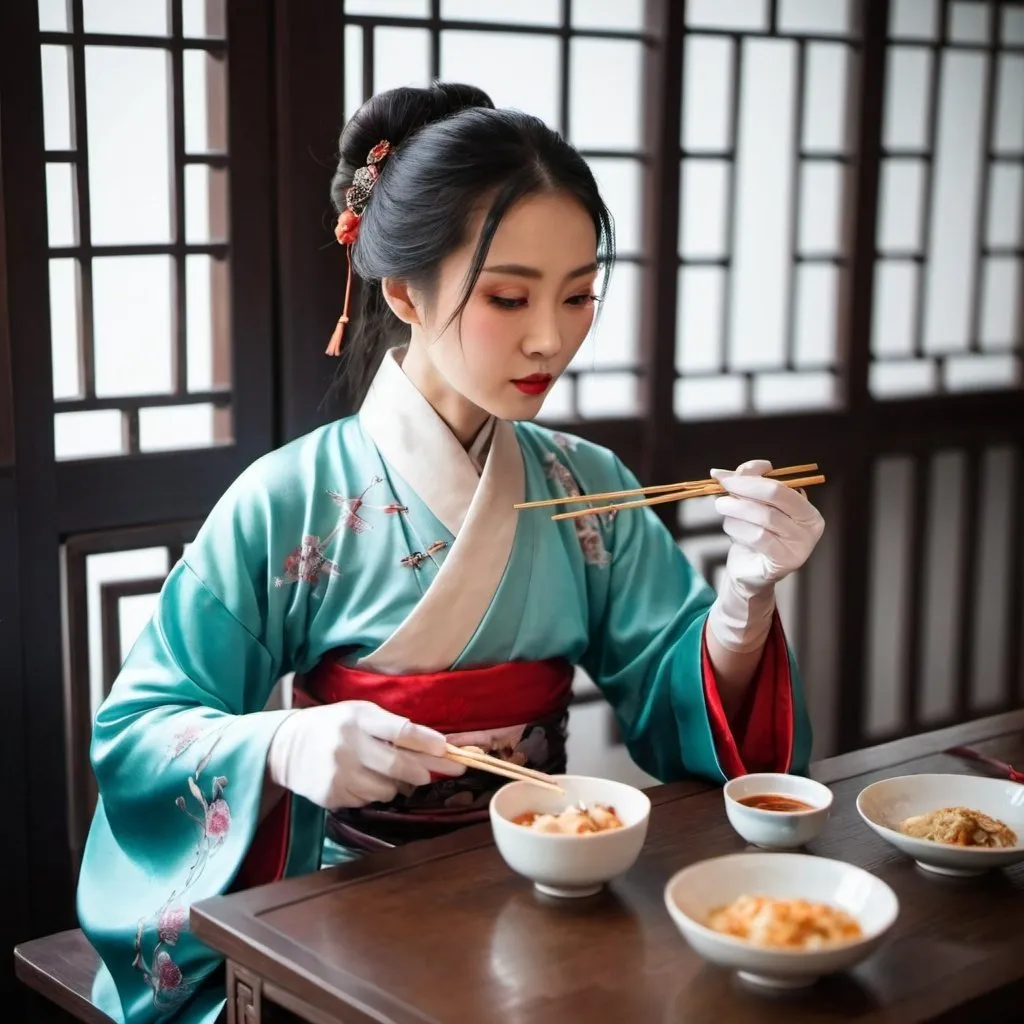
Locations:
column 346, row 231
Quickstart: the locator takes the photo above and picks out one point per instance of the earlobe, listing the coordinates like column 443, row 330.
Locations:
column 399, row 299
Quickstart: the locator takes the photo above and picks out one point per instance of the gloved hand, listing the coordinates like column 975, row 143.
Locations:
column 773, row 529
column 354, row 753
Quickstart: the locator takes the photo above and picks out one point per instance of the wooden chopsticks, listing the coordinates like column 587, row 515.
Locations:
column 667, row 492
column 693, row 492
column 999, row 767
column 494, row 765
column 684, row 485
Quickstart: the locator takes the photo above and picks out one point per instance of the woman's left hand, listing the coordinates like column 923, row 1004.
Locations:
column 774, row 528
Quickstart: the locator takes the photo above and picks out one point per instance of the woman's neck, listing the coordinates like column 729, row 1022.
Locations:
column 463, row 418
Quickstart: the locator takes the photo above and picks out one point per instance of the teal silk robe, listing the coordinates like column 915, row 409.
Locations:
column 381, row 537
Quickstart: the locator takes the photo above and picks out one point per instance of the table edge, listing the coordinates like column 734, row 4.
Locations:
column 909, row 748
column 231, row 923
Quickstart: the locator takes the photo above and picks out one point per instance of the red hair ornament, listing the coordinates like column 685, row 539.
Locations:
column 346, row 231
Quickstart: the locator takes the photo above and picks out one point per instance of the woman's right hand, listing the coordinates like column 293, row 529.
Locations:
column 354, row 753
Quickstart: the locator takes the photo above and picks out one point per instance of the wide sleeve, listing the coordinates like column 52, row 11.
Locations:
column 648, row 655
column 179, row 748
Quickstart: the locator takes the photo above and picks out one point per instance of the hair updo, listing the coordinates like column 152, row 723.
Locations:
column 450, row 148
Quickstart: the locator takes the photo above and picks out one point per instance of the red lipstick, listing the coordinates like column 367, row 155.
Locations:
column 535, row 384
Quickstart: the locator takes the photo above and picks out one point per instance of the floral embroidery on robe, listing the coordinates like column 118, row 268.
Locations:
column 213, row 819
column 588, row 528
column 308, row 562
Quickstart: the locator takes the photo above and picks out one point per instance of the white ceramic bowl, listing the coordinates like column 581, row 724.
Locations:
column 694, row 892
column 883, row 805
column 777, row 830
column 560, row 865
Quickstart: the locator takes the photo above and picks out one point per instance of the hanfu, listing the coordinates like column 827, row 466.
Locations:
column 380, row 560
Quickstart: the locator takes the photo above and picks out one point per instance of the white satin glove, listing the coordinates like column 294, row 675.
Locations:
column 773, row 529
column 354, row 753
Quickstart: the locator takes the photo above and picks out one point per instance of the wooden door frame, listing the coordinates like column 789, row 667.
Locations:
column 51, row 501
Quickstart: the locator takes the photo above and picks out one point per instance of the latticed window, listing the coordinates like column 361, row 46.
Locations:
column 137, row 171
column 819, row 207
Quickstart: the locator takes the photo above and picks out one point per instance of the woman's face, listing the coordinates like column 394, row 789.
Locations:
column 528, row 314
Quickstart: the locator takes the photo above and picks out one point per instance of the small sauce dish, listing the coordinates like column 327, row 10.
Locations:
column 777, row 811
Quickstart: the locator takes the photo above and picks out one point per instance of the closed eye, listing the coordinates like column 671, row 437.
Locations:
column 505, row 303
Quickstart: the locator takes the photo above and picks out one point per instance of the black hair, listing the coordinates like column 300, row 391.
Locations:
column 450, row 149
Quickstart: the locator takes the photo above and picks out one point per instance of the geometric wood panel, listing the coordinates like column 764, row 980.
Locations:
column 766, row 172
column 946, row 589
column 100, row 573
column 949, row 275
column 114, row 645
column 137, row 166
column 112, row 200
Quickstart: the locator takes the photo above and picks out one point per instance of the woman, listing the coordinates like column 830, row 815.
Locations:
column 381, row 560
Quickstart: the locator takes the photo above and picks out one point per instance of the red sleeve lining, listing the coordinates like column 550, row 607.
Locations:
column 266, row 859
column 761, row 737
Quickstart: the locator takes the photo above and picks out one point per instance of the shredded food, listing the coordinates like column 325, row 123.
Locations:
column 784, row 923
column 959, row 826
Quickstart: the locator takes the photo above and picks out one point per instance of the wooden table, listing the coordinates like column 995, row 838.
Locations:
column 443, row 931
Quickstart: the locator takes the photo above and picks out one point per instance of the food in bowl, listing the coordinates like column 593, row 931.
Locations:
column 573, row 821
column 959, row 826
column 571, row 865
column 776, row 802
column 784, row 923
column 693, row 894
column 886, row 805
column 777, row 811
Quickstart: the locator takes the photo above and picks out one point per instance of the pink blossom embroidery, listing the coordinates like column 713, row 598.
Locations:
column 350, row 518
column 171, row 923
column 594, row 552
column 169, row 974
column 162, row 974
column 565, row 442
column 213, row 819
column 218, row 819
column 182, row 740
column 307, row 562
column 587, row 527
column 351, row 507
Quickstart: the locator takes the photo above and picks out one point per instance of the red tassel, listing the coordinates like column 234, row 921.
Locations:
column 334, row 346
column 346, row 230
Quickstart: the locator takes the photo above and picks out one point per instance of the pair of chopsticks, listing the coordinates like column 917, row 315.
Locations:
column 494, row 765
column 669, row 492
column 999, row 767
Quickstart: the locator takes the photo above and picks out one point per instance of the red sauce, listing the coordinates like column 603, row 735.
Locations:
column 775, row 802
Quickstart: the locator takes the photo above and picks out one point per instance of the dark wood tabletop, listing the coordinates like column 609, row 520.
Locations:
column 442, row 931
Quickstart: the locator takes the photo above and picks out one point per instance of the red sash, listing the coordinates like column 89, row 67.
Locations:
column 465, row 700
